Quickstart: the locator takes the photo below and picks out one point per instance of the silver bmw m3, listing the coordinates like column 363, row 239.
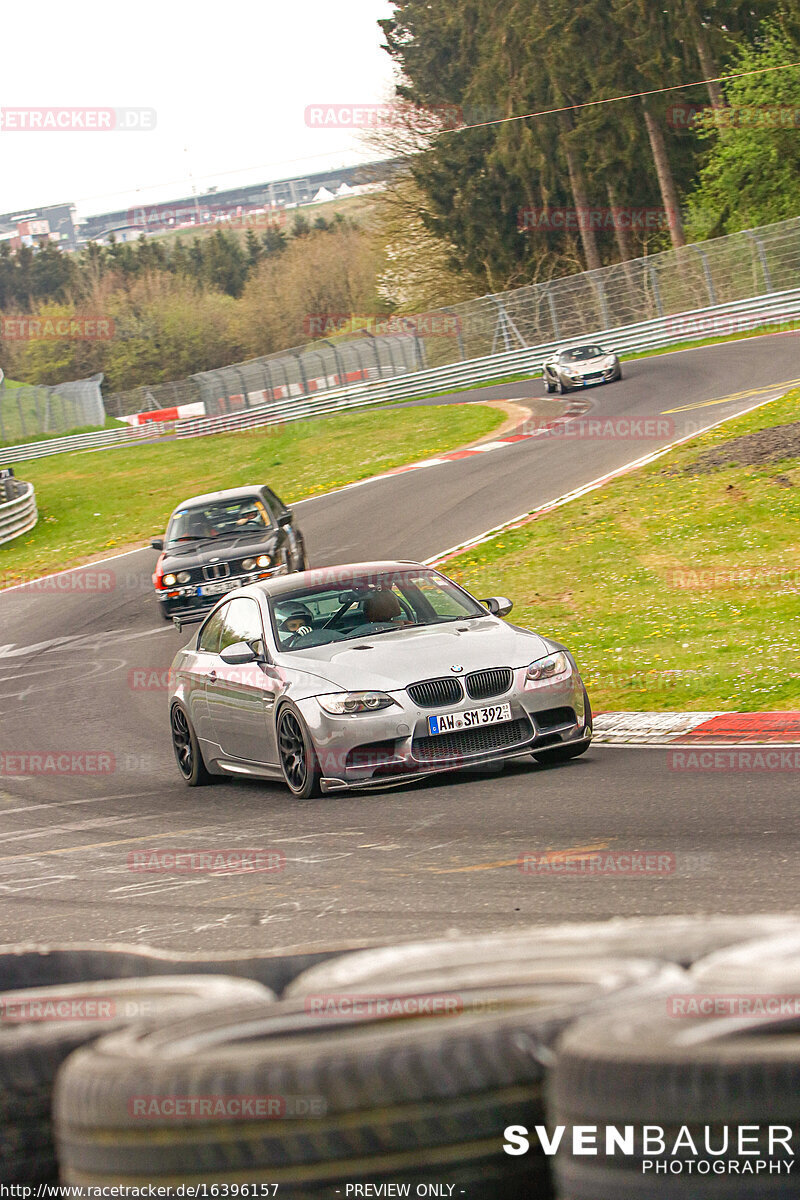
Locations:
column 367, row 675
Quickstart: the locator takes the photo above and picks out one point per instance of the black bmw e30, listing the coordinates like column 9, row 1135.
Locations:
column 221, row 541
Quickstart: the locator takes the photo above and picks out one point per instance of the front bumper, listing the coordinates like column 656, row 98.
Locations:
column 591, row 378
column 183, row 600
column 394, row 745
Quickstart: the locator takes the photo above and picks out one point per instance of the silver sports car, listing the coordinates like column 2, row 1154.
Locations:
column 365, row 675
column 580, row 367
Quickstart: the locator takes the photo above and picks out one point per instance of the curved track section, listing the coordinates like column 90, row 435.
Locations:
column 82, row 673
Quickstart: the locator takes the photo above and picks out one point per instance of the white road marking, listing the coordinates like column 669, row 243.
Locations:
column 645, row 460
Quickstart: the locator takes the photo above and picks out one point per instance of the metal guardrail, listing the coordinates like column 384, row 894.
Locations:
column 18, row 511
column 723, row 270
column 754, row 313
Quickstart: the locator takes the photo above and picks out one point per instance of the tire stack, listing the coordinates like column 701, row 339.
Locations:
column 400, row 1064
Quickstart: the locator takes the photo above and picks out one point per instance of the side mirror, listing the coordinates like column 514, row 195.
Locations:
column 285, row 518
column 157, row 543
column 238, row 655
column 498, row 606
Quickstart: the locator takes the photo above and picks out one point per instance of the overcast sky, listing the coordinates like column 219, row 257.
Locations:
column 230, row 84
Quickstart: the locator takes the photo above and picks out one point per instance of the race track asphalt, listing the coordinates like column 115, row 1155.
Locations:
column 82, row 672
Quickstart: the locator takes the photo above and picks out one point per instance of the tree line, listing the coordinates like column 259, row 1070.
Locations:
column 486, row 60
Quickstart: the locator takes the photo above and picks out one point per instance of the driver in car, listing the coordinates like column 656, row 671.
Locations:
column 300, row 620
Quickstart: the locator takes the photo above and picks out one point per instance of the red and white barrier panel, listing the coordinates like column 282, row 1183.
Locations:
column 166, row 414
column 282, row 392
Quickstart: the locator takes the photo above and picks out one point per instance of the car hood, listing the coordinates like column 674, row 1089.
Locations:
column 390, row 661
column 199, row 554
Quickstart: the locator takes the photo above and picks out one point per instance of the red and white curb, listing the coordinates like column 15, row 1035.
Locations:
column 697, row 728
column 473, row 452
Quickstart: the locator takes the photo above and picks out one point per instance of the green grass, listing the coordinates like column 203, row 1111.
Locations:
column 96, row 502
column 673, row 591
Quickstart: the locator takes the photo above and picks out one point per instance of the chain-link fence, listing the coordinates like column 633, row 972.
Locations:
column 303, row 371
column 737, row 267
column 28, row 411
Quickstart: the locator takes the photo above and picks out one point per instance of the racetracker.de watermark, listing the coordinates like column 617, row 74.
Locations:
column 709, row 580
column 368, row 1007
column 548, row 219
column 219, row 1107
column 734, row 1004
column 727, row 324
column 612, row 429
column 81, row 120
column 206, row 862
column 381, row 116
column 26, row 1009
column 426, row 324
column 759, row 758
column 56, row 329
column 160, row 216
column 734, row 116
column 87, row 580
column 66, row 762
column 616, row 863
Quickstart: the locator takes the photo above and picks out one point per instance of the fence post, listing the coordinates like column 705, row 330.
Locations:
column 762, row 258
column 553, row 314
column 712, row 295
column 656, row 292
column 2, row 404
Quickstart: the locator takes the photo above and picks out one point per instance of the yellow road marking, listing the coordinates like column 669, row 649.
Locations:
column 573, row 852
column 149, row 837
column 787, row 383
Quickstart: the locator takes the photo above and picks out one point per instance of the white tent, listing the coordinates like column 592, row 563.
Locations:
column 344, row 190
column 323, row 196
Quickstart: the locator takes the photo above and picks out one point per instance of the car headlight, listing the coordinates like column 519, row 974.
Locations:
column 169, row 581
column 610, row 360
column 184, row 577
column 263, row 560
column 248, row 564
column 345, row 704
column 545, row 670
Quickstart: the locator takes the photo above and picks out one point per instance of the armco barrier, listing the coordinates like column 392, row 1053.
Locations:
column 760, row 312
column 17, row 508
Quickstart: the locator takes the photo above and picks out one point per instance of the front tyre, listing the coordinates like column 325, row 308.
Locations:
column 548, row 386
column 564, row 753
column 299, row 761
column 187, row 751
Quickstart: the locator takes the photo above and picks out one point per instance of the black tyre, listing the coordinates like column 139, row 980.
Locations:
column 387, row 1099
column 34, row 966
column 561, row 754
column 652, row 1064
column 548, row 387
column 187, row 751
column 40, row 1027
column 299, row 761
column 561, row 388
column 682, row 940
column 619, row 374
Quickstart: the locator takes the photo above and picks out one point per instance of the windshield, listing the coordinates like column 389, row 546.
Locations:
column 354, row 607
column 578, row 353
column 219, row 519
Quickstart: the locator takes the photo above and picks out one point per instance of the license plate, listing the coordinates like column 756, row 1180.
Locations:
column 471, row 719
column 215, row 589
